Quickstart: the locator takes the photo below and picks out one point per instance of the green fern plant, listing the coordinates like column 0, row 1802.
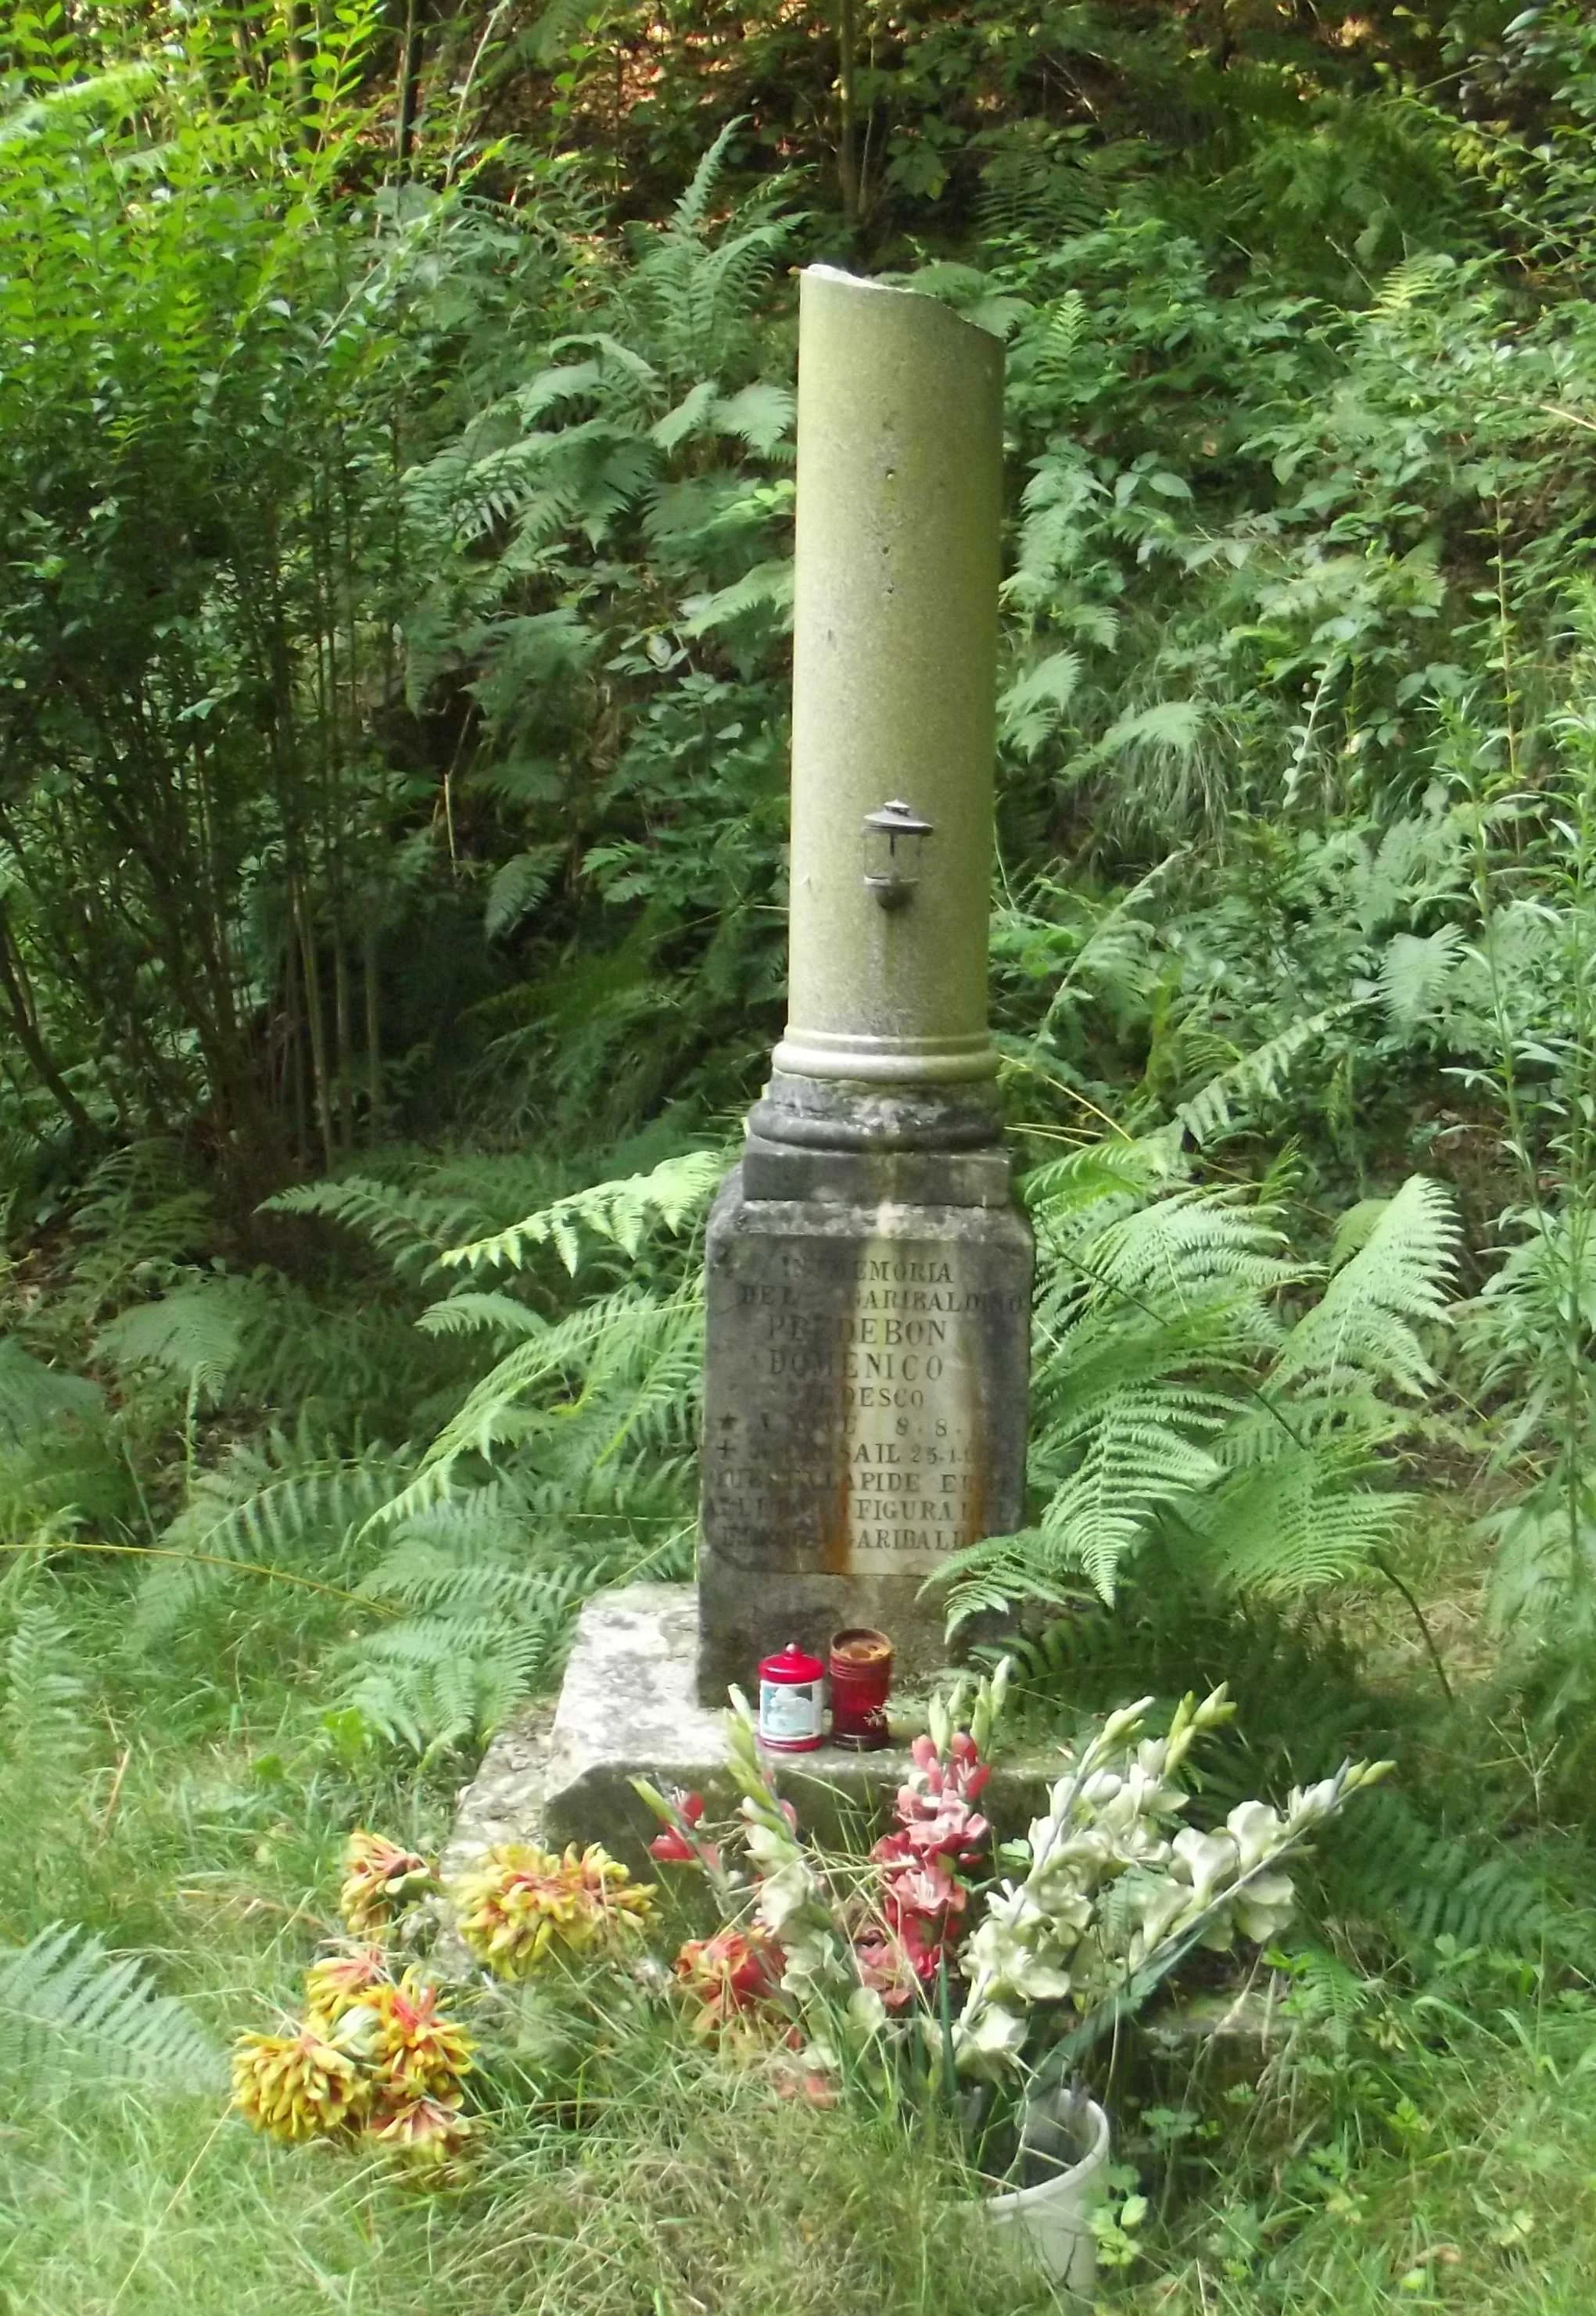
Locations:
column 1237, row 1088
column 672, row 1196
column 286, row 1505
column 47, row 1741
column 571, row 1463
column 1174, row 1395
column 484, row 1593
column 411, row 1226
column 138, row 1220
column 70, row 2011
column 43, row 1712
column 193, row 1335
column 62, row 1469
column 592, row 438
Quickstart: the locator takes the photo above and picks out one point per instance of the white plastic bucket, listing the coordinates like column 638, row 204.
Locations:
column 1055, row 2218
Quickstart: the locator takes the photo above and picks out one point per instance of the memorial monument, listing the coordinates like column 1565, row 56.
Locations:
column 869, row 1278
column 867, row 1274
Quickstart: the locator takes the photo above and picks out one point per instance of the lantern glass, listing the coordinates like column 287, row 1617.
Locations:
column 895, row 838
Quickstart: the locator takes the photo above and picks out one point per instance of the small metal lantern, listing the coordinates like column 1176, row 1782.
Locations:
column 893, row 877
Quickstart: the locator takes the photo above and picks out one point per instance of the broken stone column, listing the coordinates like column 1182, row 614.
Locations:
column 868, row 1276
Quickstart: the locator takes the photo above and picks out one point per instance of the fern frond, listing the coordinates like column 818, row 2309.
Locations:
column 764, row 592
column 518, row 887
column 139, row 1219
column 44, row 1734
column 1415, row 975
column 1294, row 1523
column 670, row 1198
column 1177, row 1252
column 411, row 1226
column 1402, row 1869
column 267, row 1505
column 1399, row 1279
column 1255, row 1077
column 1415, row 279
column 1031, row 709
column 433, row 1683
column 60, row 1466
column 471, row 1313
column 688, row 217
column 1327, row 1995
column 1098, row 1182
column 622, row 1336
column 33, row 1396
column 194, row 1333
column 66, row 2007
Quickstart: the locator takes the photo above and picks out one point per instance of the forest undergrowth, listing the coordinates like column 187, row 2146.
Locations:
column 396, row 475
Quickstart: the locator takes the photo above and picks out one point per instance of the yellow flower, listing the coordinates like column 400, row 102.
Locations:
column 339, row 1981
column 521, row 1901
column 421, row 2054
column 380, row 1880
column 429, row 2134
column 297, row 2086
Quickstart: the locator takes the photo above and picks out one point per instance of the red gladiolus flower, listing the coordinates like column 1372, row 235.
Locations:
column 675, row 1845
column 734, row 1975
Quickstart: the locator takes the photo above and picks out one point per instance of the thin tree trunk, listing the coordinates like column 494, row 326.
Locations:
column 847, row 124
column 373, row 1035
column 294, row 1046
column 25, row 1026
column 408, row 94
column 345, row 1048
column 318, row 1028
column 294, row 50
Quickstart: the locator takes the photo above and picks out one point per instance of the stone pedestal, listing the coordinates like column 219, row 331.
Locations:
column 864, row 1399
column 626, row 1709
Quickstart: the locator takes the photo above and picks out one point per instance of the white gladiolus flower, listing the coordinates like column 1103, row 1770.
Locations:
column 767, row 1848
column 1256, row 1830
column 783, row 1896
column 1049, row 1936
column 867, row 2011
column 989, row 2041
column 1159, row 1909
column 1265, row 1907
column 1081, row 1862
column 1038, row 1980
column 1100, row 1789
column 1209, row 1859
column 1309, row 1802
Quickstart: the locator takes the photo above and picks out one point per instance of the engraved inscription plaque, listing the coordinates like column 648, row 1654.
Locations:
column 864, row 1417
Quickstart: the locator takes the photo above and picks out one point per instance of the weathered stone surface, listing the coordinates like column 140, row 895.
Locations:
column 864, row 1417
column 831, row 1114
column 870, row 1179
column 894, row 663
column 628, row 1708
column 818, row 1139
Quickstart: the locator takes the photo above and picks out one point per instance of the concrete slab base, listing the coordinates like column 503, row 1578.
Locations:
column 628, row 1708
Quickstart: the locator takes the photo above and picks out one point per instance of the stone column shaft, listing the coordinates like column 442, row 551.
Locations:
column 900, row 435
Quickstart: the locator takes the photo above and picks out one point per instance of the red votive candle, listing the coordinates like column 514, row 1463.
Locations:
column 791, row 1701
column 861, row 1679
